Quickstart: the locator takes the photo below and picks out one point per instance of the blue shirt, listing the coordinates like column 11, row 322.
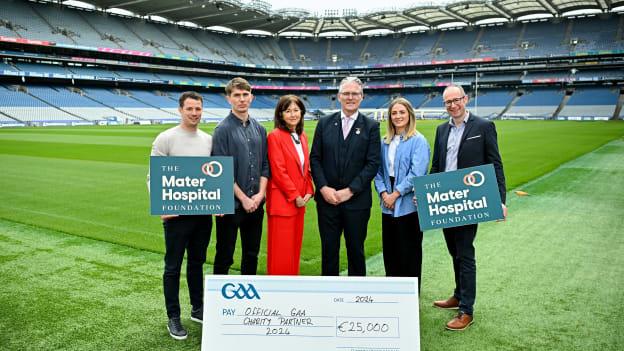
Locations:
column 247, row 144
column 452, row 145
column 411, row 160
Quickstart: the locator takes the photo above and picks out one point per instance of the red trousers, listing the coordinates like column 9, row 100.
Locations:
column 285, row 234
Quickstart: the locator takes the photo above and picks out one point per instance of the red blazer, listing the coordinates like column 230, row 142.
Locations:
column 287, row 180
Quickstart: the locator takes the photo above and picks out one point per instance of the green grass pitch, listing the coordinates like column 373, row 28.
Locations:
column 81, row 262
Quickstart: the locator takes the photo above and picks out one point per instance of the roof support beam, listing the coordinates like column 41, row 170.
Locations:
column 375, row 22
column 454, row 15
column 348, row 25
column 417, row 21
column 604, row 6
column 217, row 14
column 319, row 26
column 548, row 4
column 287, row 28
column 169, row 10
column 126, row 3
column 496, row 9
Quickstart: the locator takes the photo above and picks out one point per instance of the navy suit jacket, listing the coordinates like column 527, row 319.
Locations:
column 478, row 146
column 351, row 165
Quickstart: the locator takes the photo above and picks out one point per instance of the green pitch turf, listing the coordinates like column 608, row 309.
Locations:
column 91, row 181
column 549, row 277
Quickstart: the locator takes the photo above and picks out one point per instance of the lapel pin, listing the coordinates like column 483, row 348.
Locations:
column 357, row 131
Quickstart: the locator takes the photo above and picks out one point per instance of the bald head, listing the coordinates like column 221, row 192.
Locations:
column 455, row 101
column 454, row 87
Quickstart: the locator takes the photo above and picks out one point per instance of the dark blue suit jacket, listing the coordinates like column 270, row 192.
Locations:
column 478, row 146
column 351, row 165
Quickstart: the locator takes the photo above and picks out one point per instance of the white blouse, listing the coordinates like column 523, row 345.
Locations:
column 297, row 142
column 394, row 144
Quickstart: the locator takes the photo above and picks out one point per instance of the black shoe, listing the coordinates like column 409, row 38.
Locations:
column 176, row 330
column 197, row 314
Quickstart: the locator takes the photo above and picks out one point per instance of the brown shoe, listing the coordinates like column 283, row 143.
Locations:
column 460, row 322
column 451, row 304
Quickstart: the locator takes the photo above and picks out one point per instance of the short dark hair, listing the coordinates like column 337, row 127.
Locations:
column 237, row 83
column 190, row 95
column 282, row 105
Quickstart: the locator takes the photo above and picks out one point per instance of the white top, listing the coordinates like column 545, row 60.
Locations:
column 178, row 141
column 394, row 144
column 297, row 142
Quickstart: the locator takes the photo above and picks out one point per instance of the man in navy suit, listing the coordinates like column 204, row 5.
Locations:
column 464, row 141
column 344, row 160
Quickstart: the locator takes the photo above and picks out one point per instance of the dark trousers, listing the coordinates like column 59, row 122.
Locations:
column 250, row 225
column 459, row 241
column 402, row 245
column 332, row 221
column 190, row 233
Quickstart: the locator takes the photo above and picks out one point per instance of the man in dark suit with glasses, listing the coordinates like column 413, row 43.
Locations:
column 344, row 159
column 466, row 140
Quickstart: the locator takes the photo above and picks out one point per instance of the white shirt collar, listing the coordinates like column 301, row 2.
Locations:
column 353, row 116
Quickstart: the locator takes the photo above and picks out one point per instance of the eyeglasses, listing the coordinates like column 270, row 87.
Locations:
column 454, row 101
column 350, row 94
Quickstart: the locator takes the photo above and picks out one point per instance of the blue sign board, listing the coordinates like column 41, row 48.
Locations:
column 191, row 185
column 455, row 198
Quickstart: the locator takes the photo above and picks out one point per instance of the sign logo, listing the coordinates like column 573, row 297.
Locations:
column 230, row 291
column 456, row 198
column 212, row 169
column 474, row 178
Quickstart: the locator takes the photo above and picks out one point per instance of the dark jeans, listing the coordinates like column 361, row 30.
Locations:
column 332, row 220
column 190, row 233
column 250, row 225
column 459, row 241
column 402, row 245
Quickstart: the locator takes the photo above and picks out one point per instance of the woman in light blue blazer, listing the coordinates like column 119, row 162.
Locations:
column 404, row 156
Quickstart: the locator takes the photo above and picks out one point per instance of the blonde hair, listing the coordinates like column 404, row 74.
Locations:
column 411, row 126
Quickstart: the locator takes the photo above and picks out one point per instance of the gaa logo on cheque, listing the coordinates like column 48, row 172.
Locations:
column 474, row 178
column 212, row 169
column 239, row 291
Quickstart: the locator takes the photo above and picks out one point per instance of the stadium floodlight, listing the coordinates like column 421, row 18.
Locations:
column 328, row 13
column 349, row 12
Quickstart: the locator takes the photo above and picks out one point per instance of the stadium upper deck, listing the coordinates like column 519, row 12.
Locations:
column 68, row 27
column 94, row 67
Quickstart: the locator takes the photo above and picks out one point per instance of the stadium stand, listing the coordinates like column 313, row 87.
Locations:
column 27, row 23
column 590, row 101
column 92, row 28
column 491, row 103
column 536, row 103
column 23, row 104
column 499, row 41
column 523, row 81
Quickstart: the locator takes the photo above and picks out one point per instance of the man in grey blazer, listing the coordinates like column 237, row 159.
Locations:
column 344, row 160
column 464, row 141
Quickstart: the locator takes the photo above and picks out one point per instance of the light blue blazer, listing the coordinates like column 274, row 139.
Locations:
column 411, row 160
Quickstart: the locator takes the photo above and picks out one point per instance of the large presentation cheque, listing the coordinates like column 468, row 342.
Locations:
column 310, row 313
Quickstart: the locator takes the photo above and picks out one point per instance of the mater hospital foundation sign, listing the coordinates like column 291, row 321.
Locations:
column 191, row 185
column 452, row 199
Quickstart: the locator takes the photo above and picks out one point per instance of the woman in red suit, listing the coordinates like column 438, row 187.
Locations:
column 289, row 188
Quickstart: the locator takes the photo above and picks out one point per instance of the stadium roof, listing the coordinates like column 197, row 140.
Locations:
column 258, row 15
